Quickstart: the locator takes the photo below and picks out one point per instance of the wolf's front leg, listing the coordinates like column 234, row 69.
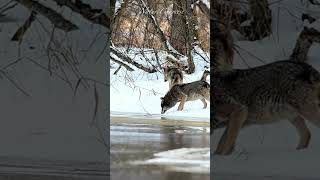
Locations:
column 182, row 101
column 204, row 103
column 236, row 119
column 304, row 132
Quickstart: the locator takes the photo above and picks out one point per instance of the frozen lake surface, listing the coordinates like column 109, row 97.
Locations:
column 27, row 169
column 159, row 149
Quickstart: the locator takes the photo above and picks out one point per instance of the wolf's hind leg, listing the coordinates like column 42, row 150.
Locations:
column 204, row 103
column 228, row 139
column 304, row 132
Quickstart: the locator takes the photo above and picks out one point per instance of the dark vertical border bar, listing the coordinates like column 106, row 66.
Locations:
column 211, row 93
column 111, row 4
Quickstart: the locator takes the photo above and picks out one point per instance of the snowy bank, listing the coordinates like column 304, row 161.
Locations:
column 140, row 92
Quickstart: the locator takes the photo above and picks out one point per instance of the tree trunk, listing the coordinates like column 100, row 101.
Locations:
column 150, row 40
column 178, row 37
column 191, row 32
column 116, row 17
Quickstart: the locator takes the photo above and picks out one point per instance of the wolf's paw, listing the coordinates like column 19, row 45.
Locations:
column 304, row 141
column 301, row 147
column 304, row 144
column 222, row 153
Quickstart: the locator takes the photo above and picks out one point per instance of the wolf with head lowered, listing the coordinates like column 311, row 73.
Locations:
column 197, row 90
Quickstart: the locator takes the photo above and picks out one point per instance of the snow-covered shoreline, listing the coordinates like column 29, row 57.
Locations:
column 140, row 92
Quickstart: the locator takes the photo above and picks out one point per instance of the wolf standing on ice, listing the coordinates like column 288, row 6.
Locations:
column 283, row 90
column 187, row 92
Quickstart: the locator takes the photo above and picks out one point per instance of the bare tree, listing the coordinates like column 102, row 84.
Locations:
column 148, row 25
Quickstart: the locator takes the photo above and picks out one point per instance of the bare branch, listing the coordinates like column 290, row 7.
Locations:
column 96, row 103
column 7, row 7
column 14, row 83
column 314, row 2
column 127, row 59
column 121, row 64
column 95, row 16
column 23, row 29
column 58, row 20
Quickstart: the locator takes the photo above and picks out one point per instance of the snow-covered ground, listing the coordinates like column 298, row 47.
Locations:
column 140, row 92
column 264, row 152
column 270, row 151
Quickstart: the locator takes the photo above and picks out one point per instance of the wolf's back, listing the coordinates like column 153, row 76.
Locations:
column 272, row 81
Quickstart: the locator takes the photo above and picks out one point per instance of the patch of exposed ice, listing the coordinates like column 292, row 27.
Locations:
column 192, row 160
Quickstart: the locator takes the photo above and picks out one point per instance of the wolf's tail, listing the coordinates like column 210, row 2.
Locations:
column 205, row 84
column 309, row 74
column 205, row 75
column 315, row 76
column 177, row 78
